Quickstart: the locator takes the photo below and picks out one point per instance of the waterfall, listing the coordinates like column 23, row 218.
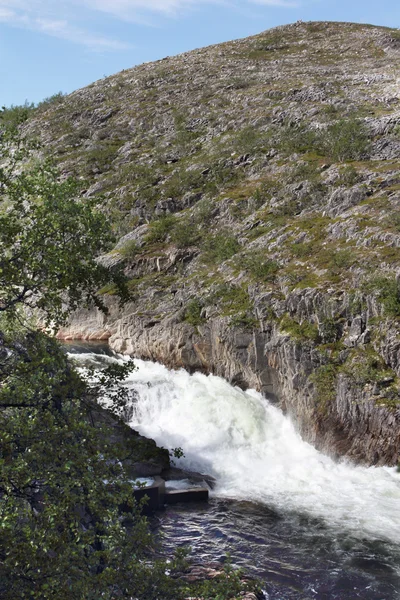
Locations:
column 255, row 452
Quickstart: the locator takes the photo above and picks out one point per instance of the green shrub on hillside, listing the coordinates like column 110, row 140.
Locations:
column 366, row 366
column 220, row 247
column 348, row 176
column 159, row 229
column 193, row 312
column 260, row 266
column 298, row 139
column 346, row 139
column 184, row 234
column 324, row 380
column 14, row 115
column 300, row 332
column 53, row 100
column 181, row 182
column 388, row 289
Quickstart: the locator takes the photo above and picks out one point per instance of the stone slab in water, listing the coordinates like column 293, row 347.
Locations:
column 190, row 495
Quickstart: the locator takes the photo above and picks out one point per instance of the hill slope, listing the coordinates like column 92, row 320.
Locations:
column 255, row 188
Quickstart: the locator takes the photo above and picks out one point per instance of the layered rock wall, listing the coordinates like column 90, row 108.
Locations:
column 354, row 422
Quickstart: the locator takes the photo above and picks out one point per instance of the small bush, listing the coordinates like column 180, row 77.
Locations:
column 181, row 182
column 53, row 100
column 348, row 176
column 346, row 139
column 299, row 139
column 220, row 247
column 388, row 290
column 261, row 267
column 159, row 230
column 193, row 312
column 366, row 366
column 185, row 234
column 234, row 300
column 265, row 192
column 248, row 140
column 330, row 331
column 204, row 212
column 393, row 221
column 342, row 259
column 303, row 249
column 101, row 157
column 245, row 320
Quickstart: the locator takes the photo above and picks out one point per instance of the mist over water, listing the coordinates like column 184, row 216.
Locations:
column 316, row 505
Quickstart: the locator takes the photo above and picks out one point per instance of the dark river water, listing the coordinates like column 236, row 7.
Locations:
column 308, row 527
column 296, row 557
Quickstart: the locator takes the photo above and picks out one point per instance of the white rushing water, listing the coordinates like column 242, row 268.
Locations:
column 255, row 453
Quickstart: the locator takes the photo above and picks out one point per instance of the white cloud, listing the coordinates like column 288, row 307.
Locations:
column 278, row 3
column 42, row 16
column 61, row 18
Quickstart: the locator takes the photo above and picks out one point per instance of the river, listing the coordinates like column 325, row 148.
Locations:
column 308, row 526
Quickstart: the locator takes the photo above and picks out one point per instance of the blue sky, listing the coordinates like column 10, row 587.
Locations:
column 47, row 46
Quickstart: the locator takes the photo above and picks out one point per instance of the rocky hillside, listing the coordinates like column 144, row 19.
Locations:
column 254, row 187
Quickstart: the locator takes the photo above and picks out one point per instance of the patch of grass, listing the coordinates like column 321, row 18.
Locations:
column 364, row 365
column 233, row 300
column 109, row 289
column 220, row 247
column 260, row 266
column 300, row 332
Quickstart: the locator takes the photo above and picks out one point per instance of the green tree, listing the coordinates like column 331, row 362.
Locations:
column 49, row 239
column 69, row 527
column 65, row 499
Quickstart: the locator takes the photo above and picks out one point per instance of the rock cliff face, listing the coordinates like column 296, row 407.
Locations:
column 338, row 413
column 254, row 188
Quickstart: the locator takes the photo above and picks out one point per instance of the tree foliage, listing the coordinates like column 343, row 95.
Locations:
column 69, row 526
column 49, row 239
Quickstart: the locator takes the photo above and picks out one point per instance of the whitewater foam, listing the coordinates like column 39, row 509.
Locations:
column 255, row 452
